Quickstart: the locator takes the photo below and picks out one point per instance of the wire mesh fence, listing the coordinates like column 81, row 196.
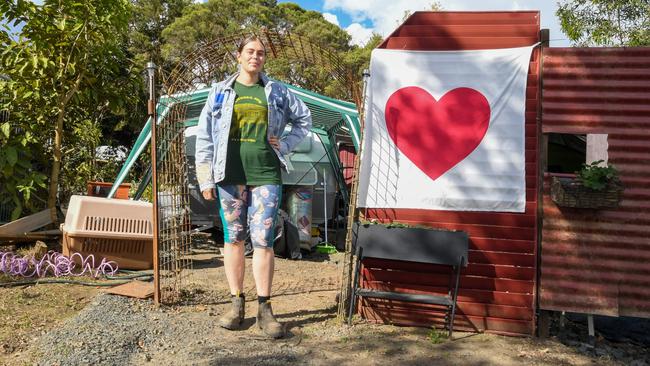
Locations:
column 211, row 62
column 174, row 236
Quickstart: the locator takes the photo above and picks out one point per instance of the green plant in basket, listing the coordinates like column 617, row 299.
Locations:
column 598, row 177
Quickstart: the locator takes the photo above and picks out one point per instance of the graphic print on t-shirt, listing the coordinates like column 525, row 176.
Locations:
column 250, row 119
column 250, row 158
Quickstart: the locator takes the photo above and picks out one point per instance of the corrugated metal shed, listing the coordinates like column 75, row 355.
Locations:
column 498, row 288
column 598, row 262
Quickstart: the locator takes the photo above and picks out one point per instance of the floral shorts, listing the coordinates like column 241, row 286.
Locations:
column 255, row 207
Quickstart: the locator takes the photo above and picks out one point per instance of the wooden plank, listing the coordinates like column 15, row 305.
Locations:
column 135, row 288
column 26, row 224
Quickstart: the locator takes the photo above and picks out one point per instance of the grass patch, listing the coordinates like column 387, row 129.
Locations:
column 437, row 336
column 27, row 311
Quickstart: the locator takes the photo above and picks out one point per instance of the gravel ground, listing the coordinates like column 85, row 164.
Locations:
column 115, row 330
column 121, row 331
column 109, row 328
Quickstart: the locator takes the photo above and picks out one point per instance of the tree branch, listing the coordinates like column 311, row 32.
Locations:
column 74, row 43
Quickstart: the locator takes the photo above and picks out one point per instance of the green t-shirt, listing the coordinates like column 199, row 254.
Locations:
column 250, row 159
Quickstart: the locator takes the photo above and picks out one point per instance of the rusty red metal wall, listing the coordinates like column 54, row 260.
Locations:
column 498, row 287
column 346, row 156
column 598, row 262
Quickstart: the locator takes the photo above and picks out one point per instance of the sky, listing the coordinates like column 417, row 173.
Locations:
column 360, row 18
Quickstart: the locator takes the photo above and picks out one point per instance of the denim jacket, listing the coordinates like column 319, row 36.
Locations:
column 214, row 126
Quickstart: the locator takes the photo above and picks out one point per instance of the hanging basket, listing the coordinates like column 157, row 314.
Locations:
column 569, row 192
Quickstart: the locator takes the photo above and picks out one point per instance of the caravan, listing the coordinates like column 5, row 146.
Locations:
column 315, row 171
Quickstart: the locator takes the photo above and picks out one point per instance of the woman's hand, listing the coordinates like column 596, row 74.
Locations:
column 209, row 194
column 275, row 142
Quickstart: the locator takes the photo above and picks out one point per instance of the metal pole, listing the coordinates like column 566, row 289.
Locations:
column 542, row 324
column 151, row 108
column 325, row 201
column 346, row 275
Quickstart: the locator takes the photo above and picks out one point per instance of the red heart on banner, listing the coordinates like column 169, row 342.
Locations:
column 437, row 135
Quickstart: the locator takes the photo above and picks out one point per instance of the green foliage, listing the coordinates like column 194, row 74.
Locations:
column 358, row 58
column 436, row 336
column 205, row 22
column 598, row 177
column 150, row 18
column 72, row 78
column 67, row 67
column 606, row 22
column 22, row 182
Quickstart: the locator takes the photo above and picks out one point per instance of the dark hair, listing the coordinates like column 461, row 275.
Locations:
column 248, row 39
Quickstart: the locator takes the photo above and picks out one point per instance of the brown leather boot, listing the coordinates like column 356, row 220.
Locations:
column 233, row 318
column 267, row 323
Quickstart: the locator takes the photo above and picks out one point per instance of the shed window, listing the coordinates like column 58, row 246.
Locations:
column 565, row 153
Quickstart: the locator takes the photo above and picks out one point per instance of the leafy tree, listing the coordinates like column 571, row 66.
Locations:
column 73, row 79
column 67, row 67
column 149, row 19
column 204, row 22
column 312, row 25
column 606, row 22
column 21, row 174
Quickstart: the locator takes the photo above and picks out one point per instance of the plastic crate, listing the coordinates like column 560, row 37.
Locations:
column 118, row 230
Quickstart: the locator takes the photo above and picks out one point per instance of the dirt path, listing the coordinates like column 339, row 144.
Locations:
column 121, row 331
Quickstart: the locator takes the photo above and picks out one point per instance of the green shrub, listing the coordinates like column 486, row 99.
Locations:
column 436, row 336
column 598, row 177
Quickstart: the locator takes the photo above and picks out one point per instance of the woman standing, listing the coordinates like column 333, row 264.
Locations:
column 239, row 154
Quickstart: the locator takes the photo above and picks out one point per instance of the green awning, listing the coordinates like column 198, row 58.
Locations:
column 329, row 115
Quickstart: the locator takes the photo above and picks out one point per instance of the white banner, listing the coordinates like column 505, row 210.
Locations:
column 445, row 130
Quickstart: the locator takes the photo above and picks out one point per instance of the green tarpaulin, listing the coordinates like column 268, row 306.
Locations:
column 329, row 116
